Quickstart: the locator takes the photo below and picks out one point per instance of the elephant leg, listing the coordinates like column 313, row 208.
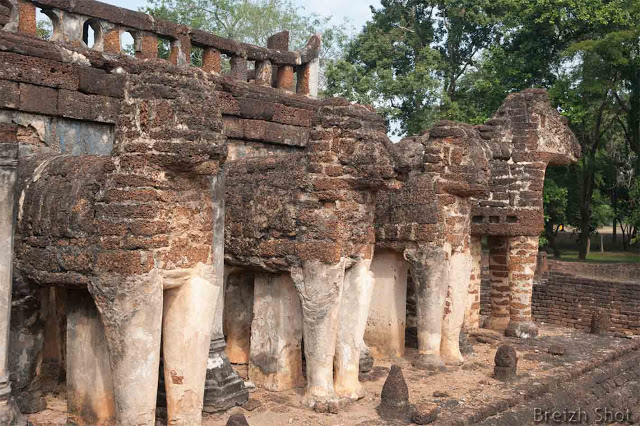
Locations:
column 131, row 312
column 354, row 309
column 459, row 277
column 430, row 273
column 187, row 322
column 319, row 286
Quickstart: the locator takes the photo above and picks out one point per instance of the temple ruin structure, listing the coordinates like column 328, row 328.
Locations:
column 165, row 217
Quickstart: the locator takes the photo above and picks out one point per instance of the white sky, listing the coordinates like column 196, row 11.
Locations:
column 357, row 11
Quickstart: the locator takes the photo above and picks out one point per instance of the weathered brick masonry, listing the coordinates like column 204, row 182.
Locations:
column 570, row 301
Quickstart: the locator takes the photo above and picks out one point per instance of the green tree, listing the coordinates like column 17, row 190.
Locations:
column 586, row 95
column 410, row 58
column 634, row 211
column 555, row 209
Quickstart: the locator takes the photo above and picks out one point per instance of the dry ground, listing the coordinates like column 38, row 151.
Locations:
column 467, row 387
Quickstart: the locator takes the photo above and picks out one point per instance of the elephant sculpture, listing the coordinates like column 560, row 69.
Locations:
column 460, row 183
column 307, row 219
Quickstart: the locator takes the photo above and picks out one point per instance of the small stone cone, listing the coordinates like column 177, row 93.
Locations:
column 237, row 419
column 506, row 363
column 395, row 393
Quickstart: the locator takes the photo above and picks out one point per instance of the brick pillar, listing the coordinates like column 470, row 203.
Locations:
column 27, row 18
column 499, row 268
column 285, row 78
column 279, row 41
column 264, row 73
column 211, row 60
column 308, row 79
column 523, row 256
column 472, row 314
column 180, row 51
column 276, row 333
column 112, row 41
column 148, row 46
column 239, row 68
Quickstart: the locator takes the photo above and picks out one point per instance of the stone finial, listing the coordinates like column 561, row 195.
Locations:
column 237, row 419
column 600, row 322
column 395, row 393
column 506, row 360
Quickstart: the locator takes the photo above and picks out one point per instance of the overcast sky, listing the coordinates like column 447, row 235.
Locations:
column 357, row 11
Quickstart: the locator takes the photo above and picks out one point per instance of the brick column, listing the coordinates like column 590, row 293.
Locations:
column 27, row 18
column 285, row 78
column 264, row 74
column 499, row 269
column 238, row 68
column 111, row 41
column 308, row 79
column 523, row 256
column 211, row 60
column 472, row 314
column 148, row 48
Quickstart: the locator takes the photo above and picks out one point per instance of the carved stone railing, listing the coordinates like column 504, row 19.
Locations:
column 72, row 20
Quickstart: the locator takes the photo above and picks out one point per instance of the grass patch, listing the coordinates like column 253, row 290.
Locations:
column 606, row 257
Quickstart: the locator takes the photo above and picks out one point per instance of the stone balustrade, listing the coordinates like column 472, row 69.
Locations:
column 74, row 21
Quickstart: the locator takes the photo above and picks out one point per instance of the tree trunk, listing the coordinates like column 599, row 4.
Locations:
column 615, row 215
column 585, row 203
column 601, row 242
column 634, row 111
column 585, row 231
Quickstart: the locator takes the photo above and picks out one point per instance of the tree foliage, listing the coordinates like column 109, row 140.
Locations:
column 410, row 58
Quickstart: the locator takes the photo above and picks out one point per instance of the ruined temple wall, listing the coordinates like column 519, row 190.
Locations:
column 627, row 272
column 141, row 198
column 150, row 109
